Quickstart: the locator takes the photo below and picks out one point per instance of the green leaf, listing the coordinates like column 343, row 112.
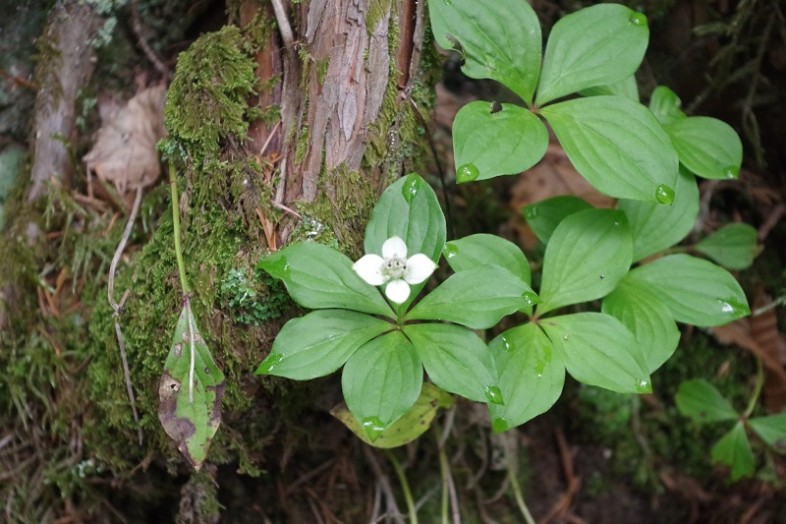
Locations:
column 655, row 227
column 494, row 143
column 734, row 450
column 701, row 401
column 476, row 298
column 732, row 246
column 456, row 360
column 544, row 216
column 648, row 319
column 531, row 375
column 627, row 88
column 589, row 252
column 480, row 250
column 408, row 209
column 709, row 147
column 410, row 426
column 772, row 430
column 595, row 46
column 665, row 105
column 382, row 381
column 319, row 343
column 190, row 391
column 617, row 145
column 600, row 351
column 319, row 277
column 696, row 291
column 499, row 40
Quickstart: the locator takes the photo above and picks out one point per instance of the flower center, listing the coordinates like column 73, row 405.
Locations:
column 394, row 267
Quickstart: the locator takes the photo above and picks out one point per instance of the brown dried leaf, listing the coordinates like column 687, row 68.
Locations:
column 125, row 150
column 764, row 330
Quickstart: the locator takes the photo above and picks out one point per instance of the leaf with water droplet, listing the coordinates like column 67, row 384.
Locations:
column 696, row 291
column 594, row 46
column 190, row 391
column 733, row 246
column 600, row 350
column 531, row 374
column 708, row 147
column 499, row 424
column 455, row 358
column 616, row 144
column 410, row 426
column 503, row 143
column 654, row 226
column 382, row 379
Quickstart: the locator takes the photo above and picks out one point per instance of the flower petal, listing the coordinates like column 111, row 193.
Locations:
column 394, row 247
column 369, row 268
column 419, row 268
column 397, row 291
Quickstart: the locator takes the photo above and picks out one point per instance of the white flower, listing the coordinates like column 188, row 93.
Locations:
column 395, row 269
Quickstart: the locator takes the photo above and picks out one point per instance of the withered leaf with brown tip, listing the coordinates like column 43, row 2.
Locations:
column 190, row 391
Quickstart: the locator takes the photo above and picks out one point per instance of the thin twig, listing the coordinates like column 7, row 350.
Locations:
column 149, row 53
column 118, row 309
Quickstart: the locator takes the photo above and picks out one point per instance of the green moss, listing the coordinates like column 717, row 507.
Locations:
column 301, row 149
column 322, row 69
column 206, row 102
column 377, row 9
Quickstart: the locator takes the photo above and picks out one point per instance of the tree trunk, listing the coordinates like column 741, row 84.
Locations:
column 339, row 91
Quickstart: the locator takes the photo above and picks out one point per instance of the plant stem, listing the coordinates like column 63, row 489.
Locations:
column 514, row 484
column 402, row 478
column 444, row 471
column 756, row 389
column 181, row 267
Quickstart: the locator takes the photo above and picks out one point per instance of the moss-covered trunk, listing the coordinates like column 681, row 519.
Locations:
column 277, row 137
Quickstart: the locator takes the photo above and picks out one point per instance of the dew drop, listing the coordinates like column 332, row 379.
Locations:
column 499, row 424
column 467, row 173
column 494, row 395
column 638, row 19
column 602, row 276
column 566, row 337
column 505, row 343
column 731, row 307
column 411, row 187
column 373, row 426
column 530, row 298
column 540, row 366
column 448, row 2
column 530, row 212
column 450, row 250
column 267, row 366
column 731, row 172
column 644, row 386
column 664, row 194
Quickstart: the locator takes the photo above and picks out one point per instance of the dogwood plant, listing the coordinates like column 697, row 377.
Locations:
column 385, row 345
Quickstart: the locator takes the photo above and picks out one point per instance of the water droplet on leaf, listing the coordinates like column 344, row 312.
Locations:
column 731, row 307
column 373, row 426
column 267, row 366
column 530, row 298
column 566, row 337
column 450, row 251
column 467, row 173
column 499, row 425
column 664, row 194
column 731, row 172
column 643, row 386
column 411, row 187
column 494, row 395
column 530, row 212
column 505, row 343
column 638, row 19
